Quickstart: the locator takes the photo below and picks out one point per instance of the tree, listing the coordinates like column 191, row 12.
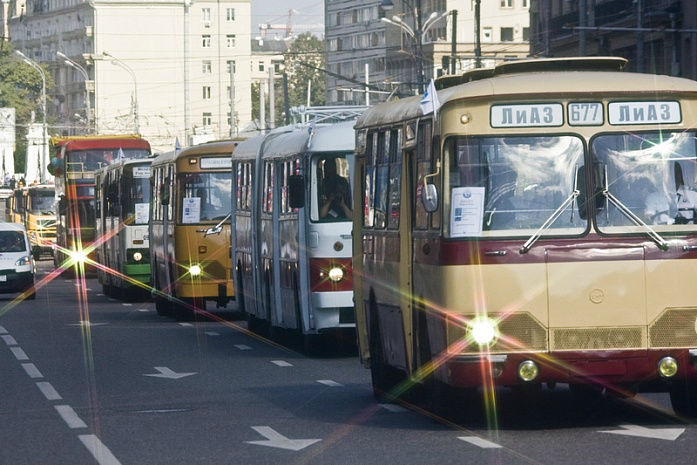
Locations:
column 21, row 89
column 303, row 62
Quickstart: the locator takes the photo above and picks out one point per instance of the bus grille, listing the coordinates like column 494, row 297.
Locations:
column 674, row 328
column 597, row 338
column 520, row 332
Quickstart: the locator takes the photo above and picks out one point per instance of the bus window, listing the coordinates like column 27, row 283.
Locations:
column 652, row 176
column 206, row 196
column 521, row 184
column 334, row 194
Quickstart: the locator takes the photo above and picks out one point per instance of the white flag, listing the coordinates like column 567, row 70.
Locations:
column 429, row 102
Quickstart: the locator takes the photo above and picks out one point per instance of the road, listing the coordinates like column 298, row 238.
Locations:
column 88, row 379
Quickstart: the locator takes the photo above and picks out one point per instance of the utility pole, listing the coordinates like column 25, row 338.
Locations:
column 453, row 43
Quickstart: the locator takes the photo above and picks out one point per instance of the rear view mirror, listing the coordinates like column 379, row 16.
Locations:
column 296, row 191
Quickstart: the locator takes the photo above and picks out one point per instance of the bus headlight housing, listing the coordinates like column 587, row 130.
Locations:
column 528, row 371
column 667, row 367
column 483, row 330
column 195, row 270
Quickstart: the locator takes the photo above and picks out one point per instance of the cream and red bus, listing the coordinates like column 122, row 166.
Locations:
column 528, row 234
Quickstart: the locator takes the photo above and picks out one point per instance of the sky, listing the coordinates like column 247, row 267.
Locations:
column 308, row 15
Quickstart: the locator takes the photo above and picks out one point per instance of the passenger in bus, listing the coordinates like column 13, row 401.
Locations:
column 660, row 209
column 335, row 198
column 685, row 199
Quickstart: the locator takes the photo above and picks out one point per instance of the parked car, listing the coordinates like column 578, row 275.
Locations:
column 17, row 267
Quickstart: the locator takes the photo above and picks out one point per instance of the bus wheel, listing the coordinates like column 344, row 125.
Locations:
column 389, row 383
column 163, row 307
column 683, row 398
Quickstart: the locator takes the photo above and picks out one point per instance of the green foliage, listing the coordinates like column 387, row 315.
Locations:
column 303, row 62
column 21, row 89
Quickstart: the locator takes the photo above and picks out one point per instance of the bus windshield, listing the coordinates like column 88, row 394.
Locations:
column 92, row 160
column 333, row 193
column 513, row 186
column 648, row 178
column 205, row 196
column 136, row 198
column 41, row 201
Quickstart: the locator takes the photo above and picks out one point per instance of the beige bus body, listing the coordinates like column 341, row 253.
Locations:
column 583, row 288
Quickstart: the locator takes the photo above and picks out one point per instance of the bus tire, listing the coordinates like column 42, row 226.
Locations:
column 163, row 307
column 386, row 379
column 683, row 398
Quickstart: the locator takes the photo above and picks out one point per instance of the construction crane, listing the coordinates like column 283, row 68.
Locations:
column 288, row 26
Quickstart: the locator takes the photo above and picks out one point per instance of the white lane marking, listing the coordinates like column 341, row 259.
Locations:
column 667, row 434
column 99, row 451
column 19, row 353
column 243, row 347
column 126, row 305
column 212, row 333
column 281, row 363
column 393, row 408
column 9, row 340
column 31, row 370
column 479, row 442
column 329, row 382
column 48, row 391
column 70, row 417
column 276, row 439
column 143, row 310
column 3, row 330
column 185, row 324
column 165, row 372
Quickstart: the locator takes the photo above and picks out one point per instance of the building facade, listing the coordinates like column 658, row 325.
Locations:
column 394, row 47
column 656, row 36
column 159, row 68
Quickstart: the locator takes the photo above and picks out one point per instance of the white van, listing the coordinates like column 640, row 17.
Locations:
column 17, row 267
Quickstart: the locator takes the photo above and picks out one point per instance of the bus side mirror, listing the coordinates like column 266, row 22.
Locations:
column 296, row 191
column 429, row 197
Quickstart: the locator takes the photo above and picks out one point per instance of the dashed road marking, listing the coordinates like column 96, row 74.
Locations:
column 281, row 363
column 479, row 442
column 70, row 417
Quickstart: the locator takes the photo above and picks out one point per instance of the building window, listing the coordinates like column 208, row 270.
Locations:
column 231, row 66
column 206, row 41
column 207, row 119
column 206, row 92
column 487, row 34
column 206, row 15
column 506, row 34
column 230, row 14
column 506, row 3
column 261, row 66
column 207, row 67
column 230, row 40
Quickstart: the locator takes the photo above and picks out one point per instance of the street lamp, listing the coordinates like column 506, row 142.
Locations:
column 44, row 128
column 86, row 75
column 115, row 61
column 417, row 34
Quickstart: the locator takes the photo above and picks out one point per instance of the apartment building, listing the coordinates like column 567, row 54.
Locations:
column 656, row 36
column 394, row 47
column 160, row 68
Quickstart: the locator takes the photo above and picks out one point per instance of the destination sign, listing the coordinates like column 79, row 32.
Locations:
column 141, row 171
column 527, row 115
column 644, row 112
column 211, row 163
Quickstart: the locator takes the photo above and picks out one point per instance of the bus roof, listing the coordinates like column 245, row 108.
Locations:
column 63, row 140
column 537, row 78
column 220, row 147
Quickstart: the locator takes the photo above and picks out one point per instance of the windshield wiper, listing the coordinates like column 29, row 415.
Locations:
column 217, row 228
column 553, row 217
column 662, row 243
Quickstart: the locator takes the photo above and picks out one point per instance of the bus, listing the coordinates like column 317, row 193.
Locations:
column 292, row 232
column 513, row 237
column 190, row 228
column 39, row 217
column 74, row 162
column 122, row 210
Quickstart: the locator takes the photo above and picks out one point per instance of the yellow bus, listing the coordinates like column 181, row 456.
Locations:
column 34, row 206
column 190, row 228
column 528, row 233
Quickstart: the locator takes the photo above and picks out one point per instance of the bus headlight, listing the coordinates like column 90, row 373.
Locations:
column 195, row 270
column 667, row 367
column 137, row 256
column 483, row 330
column 336, row 274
